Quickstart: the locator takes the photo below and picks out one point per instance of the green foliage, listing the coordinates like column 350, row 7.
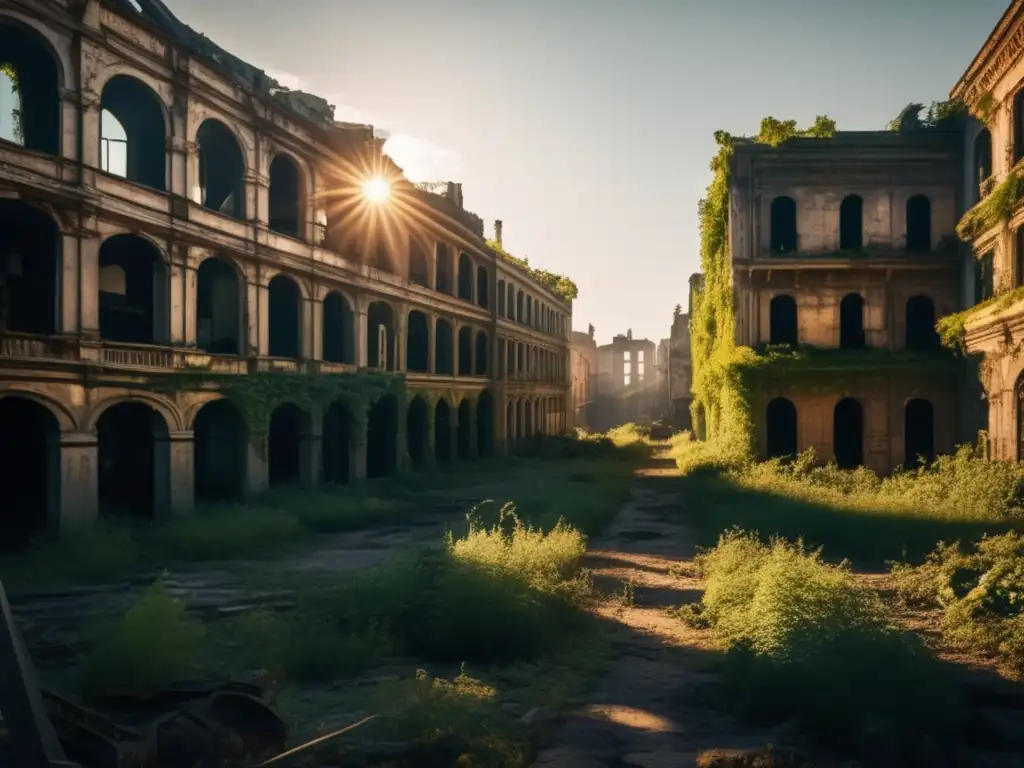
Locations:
column 775, row 132
column 997, row 207
column 952, row 328
column 811, row 367
column 981, row 592
column 940, row 114
column 984, row 109
column 560, row 284
column 805, row 640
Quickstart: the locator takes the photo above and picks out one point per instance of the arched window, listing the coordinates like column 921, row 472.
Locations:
column 921, row 333
column 783, row 216
column 848, row 433
column 851, row 224
column 781, row 431
column 919, row 223
column 782, row 320
column 851, row 321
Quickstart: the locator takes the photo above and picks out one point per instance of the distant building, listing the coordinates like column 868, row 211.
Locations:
column 664, row 389
column 627, row 383
column 680, row 372
column 583, row 367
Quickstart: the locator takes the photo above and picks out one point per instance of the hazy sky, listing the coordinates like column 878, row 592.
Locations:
column 586, row 125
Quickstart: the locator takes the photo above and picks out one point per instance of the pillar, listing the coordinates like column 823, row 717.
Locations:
column 88, row 284
column 362, row 349
column 182, row 471
column 257, row 468
column 316, row 329
column 77, row 486
column 306, row 329
column 311, row 454
column 67, row 284
column 401, row 350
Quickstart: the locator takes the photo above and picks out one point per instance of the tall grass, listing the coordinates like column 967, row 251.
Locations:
column 805, row 640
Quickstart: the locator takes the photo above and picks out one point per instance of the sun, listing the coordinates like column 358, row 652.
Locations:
column 376, row 189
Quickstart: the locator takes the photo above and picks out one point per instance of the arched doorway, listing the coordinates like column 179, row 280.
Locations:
column 339, row 330
column 337, row 444
column 443, row 431
column 380, row 341
column 133, row 132
column 848, row 433
column 417, row 431
column 221, row 169
column 465, row 430
column 221, row 452
column 133, row 451
column 851, row 322
column 288, row 423
column 29, row 472
column 921, row 333
column 417, row 352
column 285, row 318
column 133, row 288
column 485, row 423
column 285, row 197
column 444, row 354
column 782, row 320
column 781, row 428
column 918, row 433
column 30, row 82
column 382, row 437
column 30, row 256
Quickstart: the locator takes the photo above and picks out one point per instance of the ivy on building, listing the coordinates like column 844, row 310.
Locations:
column 940, row 114
column 952, row 328
column 559, row 284
column 998, row 206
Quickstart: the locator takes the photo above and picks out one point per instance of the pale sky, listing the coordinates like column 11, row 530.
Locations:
column 586, row 125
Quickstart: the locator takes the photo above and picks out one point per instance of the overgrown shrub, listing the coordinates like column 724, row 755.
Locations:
column 805, row 640
column 981, row 591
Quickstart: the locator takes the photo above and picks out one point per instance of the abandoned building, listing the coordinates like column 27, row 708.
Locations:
column 992, row 88
column 847, row 246
column 583, row 367
column 680, row 373
column 627, row 385
column 168, row 213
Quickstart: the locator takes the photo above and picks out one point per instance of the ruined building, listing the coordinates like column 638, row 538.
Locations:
column 199, row 300
column 583, row 368
column 680, row 373
column 627, row 384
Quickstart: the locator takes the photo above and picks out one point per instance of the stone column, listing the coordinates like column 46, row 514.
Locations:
column 257, row 468
column 253, row 323
column 316, row 331
column 263, row 315
column 67, row 284
column 307, row 329
column 78, row 484
column 472, row 351
column 69, row 124
column 88, row 284
column 362, row 348
column 183, row 167
column 182, row 472
column 90, row 106
column 183, row 296
column 401, row 338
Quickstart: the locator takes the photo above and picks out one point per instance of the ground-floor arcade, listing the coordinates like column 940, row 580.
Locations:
column 146, row 453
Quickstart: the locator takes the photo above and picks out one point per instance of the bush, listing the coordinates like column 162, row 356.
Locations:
column 226, row 532
column 92, row 552
column 981, row 591
column 804, row 640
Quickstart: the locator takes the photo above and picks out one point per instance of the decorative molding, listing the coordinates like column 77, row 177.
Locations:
column 1008, row 55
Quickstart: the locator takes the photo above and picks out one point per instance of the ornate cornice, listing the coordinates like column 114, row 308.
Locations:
column 1001, row 51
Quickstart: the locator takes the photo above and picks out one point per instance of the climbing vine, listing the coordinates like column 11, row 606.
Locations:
column 998, row 206
column 952, row 328
column 560, row 284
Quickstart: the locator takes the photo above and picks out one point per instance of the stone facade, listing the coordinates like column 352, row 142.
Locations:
column 849, row 243
column 584, row 376
column 627, row 383
column 680, row 373
column 167, row 208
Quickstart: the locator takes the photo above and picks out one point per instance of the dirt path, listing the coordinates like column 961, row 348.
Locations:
column 656, row 704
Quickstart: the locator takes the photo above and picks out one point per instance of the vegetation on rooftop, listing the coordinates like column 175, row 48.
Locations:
column 559, row 284
column 940, row 114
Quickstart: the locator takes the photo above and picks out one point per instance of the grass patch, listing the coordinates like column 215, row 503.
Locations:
column 805, row 640
column 981, row 592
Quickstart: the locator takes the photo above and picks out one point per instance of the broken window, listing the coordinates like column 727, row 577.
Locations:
column 921, row 333
column 30, row 111
column 483, row 287
column 851, row 321
column 444, row 355
column 848, row 433
column 851, row 224
column 417, row 347
column 133, row 132
column 918, row 433
column 443, row 256
column 221, row 169
column 218, row 308
column 418, row 272
column 982, row 162
column 30, row 255
column 133, row 291
column 465, row 277
column 285, row 197
column 339, row 329
column 780, row 428
column 285, row 302
column 783, row 222
column 782, row 320
column 919, row 223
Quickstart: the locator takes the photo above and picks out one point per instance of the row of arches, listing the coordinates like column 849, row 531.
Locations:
column 919, row 328
column 784, row 231
column 524, row 309
column 782, row 435
column 134, row 462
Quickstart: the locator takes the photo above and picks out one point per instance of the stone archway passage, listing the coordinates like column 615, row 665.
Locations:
column 485, row 423
column 417, row 432
column 134, row 461
column 339, row 325
column 918, row 433
column 465, row 432
column 30, row 474
column 444, row 355
column 284, row 448
column 382, row 437
column 30, row 257
column 443, row 431
column 781, row 429
column 848, row 433
column 337, row 444
column 221, row 452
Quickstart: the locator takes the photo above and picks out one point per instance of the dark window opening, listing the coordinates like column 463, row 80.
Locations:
column 848, row 433
column 285, row 303
column 30, row 475
column 30, row 255
column 918, row 434
column 501, row 298
column 417, row 432
column 481, row 359
column 921, row 333
column 520, row 314
column 919, row 223
column 284, row 448
column 485, row 423
column 851, row 224
column 782, row 320
column 382, row 438
column 465, row 351
column 337, row 444
column 781, row 431
column 221, row 452
column 984, row 280
column 465, row 430
column 444, row 356
column 443, row 431
column 133, row 133
column 380, row 333
column 483, row 287
column 510, row 304
column 133, row 291
column 444, row 269
column 982, row 162
column 851, row 322
column 465, row 277
column 218, row 308
column 418, row 272
column 339, row 330
column 1018, row 126
column 221, row 170
column 417, row 352
column 30, row 109
column 133, row 457
column 783, row 225
column 285, row 197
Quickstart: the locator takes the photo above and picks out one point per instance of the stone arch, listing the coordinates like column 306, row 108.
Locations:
column 380, row 330
column 133, row 290
column 284, row 318
column 483, row 287
column 66, row 420
column 164, row 408
column 851, row 321
column 851, row 223
column 920, row 330
column 443, row 266
column 444, row 341
column 285, row 200
column 443, row 430
column 30, row 475
column 419, row 274
column 781, row 428
column 465, row 277
column 464, row 438
column 783, row 225
column 220, row 298
column 339, row 329
column 982, row 165
column 485, row 423
column 848, row 433
column 133, row 131
column 288, row 431
column 918, row 432
column 919, row 223
column 482, row 351
column 39, row 71
column 782, row 322
column 133, row 454
column 417, row 351
column 222, row 168
column 417, row 431
column 382, row 437
column 221, row 451
column 465, row 351
column 31, row 249
column 336, row 443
